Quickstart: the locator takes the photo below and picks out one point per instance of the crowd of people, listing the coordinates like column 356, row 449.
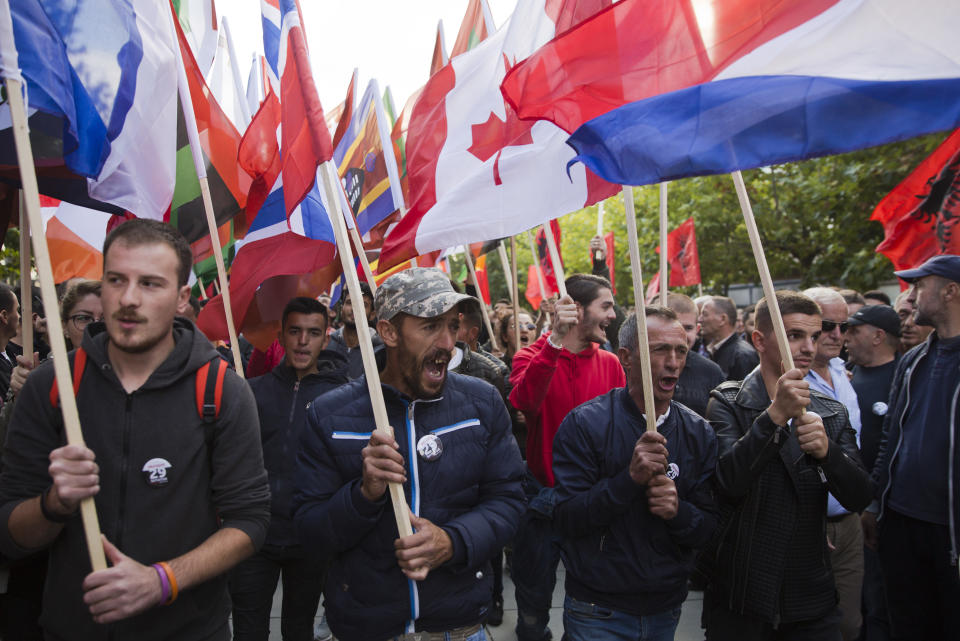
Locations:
column 811, row 497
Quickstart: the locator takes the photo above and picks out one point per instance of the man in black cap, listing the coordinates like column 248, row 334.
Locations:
column 917, row 471
column 872, row 339
column 452, row 450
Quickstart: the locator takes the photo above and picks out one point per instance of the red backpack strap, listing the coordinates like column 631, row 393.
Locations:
column 209, row 389
column 79, row 364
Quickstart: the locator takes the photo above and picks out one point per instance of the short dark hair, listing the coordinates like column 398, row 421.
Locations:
column 8, row 298
column 584, row 288
column 142, row 231
column 77, row 291
column 681, row 303
column 876, row 294
column 303, row 305
column 472, row 315
column 504, row 301
column 195, row 304
column 851, row 296
column 725, row 306
column 628, row 338
column 790, row 302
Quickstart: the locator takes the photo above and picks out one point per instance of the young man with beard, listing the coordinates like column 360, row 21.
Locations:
column 346, row 341
column 187, row 495
column 768, row 569
column 633, row 505
column 454, row 454
column 917, row 472
column 551, row 377
column 9, row 327
column 283, row 395
column 828, row 375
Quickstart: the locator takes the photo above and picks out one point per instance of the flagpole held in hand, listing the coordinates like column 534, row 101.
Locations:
column 326, row 174
column 643, row 345
column 664, row 248
column 48, row 293
column 483, row 306
column 599, row 254
column 26, row 283
column 555, row 259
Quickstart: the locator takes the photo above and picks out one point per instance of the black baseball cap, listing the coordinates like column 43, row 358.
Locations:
column 882, row 316
column 946, row 265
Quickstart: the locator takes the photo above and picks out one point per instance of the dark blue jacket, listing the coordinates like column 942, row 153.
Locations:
column 472, row 491
column 282, row 403
column 892, row 435
column 616, row 552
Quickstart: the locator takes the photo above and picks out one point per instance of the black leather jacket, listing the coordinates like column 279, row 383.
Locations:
column 769, row 559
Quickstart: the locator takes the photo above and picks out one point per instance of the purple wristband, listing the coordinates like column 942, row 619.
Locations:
column 164, row 584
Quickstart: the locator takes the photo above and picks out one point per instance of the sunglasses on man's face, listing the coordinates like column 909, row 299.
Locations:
column 828, row 326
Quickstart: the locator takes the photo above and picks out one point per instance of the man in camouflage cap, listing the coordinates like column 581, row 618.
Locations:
column 453, row 452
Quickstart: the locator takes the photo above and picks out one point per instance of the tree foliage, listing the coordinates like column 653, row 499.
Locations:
column 813, row 217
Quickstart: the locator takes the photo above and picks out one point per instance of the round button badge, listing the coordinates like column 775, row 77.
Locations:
column 430, row 447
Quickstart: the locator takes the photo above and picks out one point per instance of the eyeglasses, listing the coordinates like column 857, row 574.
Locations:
column 527, row 326
column 828, row 326
column 80, row 321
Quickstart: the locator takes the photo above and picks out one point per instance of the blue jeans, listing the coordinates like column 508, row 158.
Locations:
column 536, row 555
column 480, row 635
column 589, row 622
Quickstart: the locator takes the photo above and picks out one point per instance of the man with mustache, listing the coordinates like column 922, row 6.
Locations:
column 551, row 377
column 633, row 505
column 453, row 452
column 283, row 395
column 828, row 375
column 781, row 448
column 917, row 472
column 180, row 491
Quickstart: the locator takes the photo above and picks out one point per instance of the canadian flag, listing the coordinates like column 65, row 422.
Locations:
column 476, row 171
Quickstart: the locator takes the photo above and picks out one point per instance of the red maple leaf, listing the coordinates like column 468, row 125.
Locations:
column 491, row 137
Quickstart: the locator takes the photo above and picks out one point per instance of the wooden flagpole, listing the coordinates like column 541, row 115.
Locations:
column 639, row 308
column 555, row 259
column 516, row 290
column 483, row 306
column 327, row 175
column 537, row 267
column 765, row 279
column 599, row 254
column 26, row 283
column 663, row 244
column 190, row 120
column 48, row 293
column 502, row 252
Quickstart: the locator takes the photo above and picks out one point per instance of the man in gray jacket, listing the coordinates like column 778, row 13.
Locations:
column 178, row 482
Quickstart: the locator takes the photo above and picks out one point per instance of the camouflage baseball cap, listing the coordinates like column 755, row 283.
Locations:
column 419, row 291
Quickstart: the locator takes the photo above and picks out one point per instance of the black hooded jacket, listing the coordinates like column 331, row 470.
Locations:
column 212, row 477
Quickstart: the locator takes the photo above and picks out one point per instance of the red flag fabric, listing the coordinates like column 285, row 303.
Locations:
column 305, row 138
column 439, row 58
column 919, row 215
column 611, row 268
column 259, row 152
column 481, row 268
column 653, row 288
column 533, row 288
column 682, row 255
column 543, row 254
column 346, row 111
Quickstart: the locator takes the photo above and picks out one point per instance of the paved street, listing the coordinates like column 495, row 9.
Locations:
column 689, row 629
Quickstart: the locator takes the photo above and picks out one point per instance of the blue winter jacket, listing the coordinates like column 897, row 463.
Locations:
column 472, row 491
column 617, row 554
column 282, row 402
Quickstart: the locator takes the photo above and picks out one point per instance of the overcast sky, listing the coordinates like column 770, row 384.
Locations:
column 387, row 40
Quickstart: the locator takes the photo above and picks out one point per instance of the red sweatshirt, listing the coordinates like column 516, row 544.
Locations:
column 547, row 384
